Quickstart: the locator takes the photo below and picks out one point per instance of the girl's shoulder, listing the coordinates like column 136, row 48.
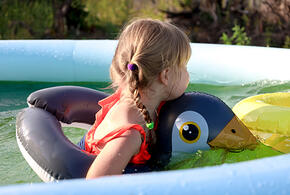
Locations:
column 124, row 113
column 120, row 115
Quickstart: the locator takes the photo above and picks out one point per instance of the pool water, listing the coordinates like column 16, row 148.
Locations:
column 13, row 167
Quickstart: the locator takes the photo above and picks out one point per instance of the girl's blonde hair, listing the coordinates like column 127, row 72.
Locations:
column 152, row 46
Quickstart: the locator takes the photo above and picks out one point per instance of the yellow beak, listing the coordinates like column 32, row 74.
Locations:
column 234, row 136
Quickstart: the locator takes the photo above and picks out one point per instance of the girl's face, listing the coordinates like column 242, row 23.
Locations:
column 178, row 83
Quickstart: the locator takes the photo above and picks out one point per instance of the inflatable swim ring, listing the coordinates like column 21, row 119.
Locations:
column 40, row 137
column 192, row 122
column 268, row 117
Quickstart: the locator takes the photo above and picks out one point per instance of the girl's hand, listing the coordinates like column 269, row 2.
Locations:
column 116, row 154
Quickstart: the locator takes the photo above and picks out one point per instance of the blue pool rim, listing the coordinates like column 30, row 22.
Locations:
column 89, row 61
column 262, row 176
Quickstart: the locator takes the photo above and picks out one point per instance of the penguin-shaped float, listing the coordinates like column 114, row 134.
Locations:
column 199, row 121
column 193, row 121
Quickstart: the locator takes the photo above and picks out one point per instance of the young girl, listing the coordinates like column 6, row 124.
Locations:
column 149, row 66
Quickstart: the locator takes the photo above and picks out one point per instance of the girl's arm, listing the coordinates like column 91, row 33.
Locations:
column 116, row 154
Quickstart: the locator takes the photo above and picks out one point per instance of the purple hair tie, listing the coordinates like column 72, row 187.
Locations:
column 132, row 67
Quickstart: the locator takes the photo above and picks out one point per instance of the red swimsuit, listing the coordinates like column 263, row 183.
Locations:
column 92, row 145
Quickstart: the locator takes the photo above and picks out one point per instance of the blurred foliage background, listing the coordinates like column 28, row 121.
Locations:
column 242, row 22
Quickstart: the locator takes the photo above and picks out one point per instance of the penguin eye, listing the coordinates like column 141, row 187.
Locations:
column 189, row 132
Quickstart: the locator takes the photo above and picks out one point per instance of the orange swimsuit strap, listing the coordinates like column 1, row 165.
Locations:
column 92, row 145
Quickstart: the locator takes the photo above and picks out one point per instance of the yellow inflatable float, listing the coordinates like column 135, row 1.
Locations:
column 268, row 117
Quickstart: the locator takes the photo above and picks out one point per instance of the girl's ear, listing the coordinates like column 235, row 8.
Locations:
column 164, row 76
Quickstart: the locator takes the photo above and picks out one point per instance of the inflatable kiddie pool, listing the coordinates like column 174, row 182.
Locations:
column 89, row 61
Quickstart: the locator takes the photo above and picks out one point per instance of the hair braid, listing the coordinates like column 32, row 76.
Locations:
column 134, row 89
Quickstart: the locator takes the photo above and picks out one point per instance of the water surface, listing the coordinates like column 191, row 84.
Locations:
column 13, row 167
